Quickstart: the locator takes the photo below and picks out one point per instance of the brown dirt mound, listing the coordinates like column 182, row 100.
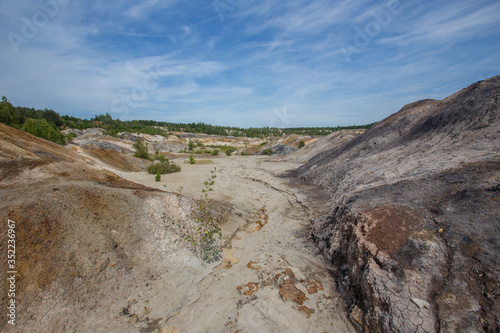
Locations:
column 118, row 160
column 15, row 143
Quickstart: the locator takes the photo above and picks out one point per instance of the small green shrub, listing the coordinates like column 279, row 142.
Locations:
column 71, row 136
column 263, row 144
column 203, row 232
column 191, row 159
column 158, row 177
column 268, row 151
column 215, row 152
column 301, row 144
column 190, row 145
column 141, row 149
column 162, row 168
column 229, row 150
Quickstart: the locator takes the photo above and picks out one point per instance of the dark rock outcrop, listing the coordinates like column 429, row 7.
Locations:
column 281, row 150
column 414, row 227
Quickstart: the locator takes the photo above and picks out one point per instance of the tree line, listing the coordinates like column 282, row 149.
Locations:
column 48, row 124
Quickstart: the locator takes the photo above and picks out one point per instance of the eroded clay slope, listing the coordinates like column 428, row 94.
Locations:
column 92, row 249
column 413, row 229
column 315, row 146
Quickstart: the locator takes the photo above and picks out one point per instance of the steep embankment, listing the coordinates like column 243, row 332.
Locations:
column 414, row 228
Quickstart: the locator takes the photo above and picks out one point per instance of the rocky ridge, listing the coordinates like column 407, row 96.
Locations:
column 413, row 228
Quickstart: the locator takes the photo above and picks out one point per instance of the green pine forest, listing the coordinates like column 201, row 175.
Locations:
column 47, row 124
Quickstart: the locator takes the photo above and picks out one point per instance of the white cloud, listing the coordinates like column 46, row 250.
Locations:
column 262, row 56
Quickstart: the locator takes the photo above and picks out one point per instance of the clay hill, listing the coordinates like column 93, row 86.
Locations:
column 414, row 226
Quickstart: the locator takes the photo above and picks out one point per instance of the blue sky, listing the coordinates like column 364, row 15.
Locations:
column 243, row 63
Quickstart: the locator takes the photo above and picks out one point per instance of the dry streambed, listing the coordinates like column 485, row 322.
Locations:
column 272, row 277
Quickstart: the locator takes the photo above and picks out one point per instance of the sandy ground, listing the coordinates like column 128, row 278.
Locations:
column 272, row 277
column 97, row 253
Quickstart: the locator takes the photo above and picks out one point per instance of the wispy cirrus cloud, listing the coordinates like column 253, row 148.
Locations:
column 186, row 61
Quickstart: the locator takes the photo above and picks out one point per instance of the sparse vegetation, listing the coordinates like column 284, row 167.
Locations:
column 268, row 151
column 203, row 233
column 203, row 151
column 162, row 167
column 301, row 144
column 228, row 150
column 70, row 136
column 200, row 162
column 159, row 157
